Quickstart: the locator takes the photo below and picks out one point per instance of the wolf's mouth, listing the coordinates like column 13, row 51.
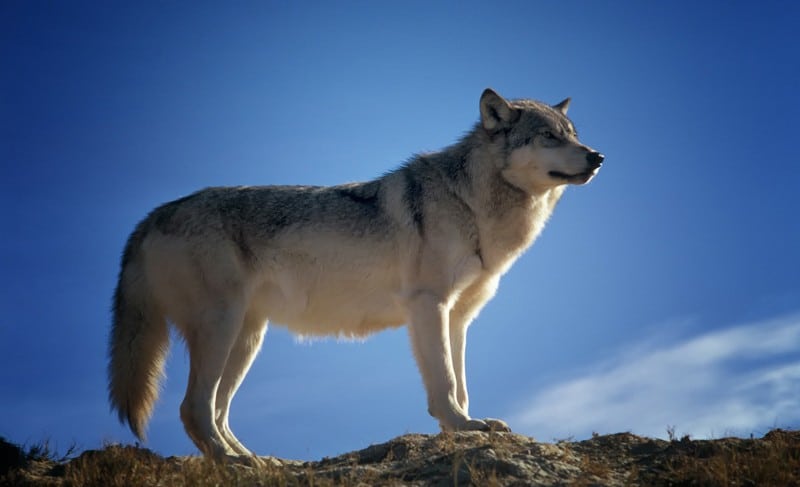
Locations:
column 579, row 178
column 561, row 175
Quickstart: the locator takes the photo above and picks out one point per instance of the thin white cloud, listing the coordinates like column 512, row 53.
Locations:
column 740, row 380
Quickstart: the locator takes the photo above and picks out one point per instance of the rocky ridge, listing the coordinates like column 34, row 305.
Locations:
column 468, row 458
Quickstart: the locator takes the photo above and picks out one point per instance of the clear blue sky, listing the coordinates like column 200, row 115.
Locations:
column 665, row 293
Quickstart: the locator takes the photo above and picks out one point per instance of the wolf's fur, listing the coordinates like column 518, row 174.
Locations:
column 424, row 245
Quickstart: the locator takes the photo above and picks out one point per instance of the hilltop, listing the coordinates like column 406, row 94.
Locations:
column 468, row 458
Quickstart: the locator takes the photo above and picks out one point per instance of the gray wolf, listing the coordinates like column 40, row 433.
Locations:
column 424, row 245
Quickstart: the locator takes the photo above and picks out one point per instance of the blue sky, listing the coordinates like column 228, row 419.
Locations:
column 664, row 293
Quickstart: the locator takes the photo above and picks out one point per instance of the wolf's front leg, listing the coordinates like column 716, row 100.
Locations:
column 430, row 340
column 458, row 349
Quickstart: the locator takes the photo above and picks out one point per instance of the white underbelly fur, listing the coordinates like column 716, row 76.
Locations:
column 332, row 298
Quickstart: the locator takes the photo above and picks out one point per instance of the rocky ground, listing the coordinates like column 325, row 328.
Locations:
column 469, row 458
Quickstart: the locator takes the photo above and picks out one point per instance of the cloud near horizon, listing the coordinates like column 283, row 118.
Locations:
column 740, row 380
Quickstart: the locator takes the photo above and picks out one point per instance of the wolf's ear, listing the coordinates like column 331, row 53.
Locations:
column 563, row 106
column 496, row 113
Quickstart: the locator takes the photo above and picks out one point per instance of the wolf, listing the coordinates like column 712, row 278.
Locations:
column 424, row 246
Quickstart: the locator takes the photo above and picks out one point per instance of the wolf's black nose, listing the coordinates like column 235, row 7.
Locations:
column 595, row 158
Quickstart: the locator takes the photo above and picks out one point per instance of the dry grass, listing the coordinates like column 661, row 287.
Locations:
column 447, row 459
column 771, row 461
column 122, row 466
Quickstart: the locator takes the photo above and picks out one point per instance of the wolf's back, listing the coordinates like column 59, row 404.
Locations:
column 139, row 339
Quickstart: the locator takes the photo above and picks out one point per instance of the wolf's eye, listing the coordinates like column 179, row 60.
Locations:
column 548, row 135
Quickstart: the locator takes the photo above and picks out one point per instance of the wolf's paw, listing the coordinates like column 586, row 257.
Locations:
column 488, row 424
column 474, row 425
column 497, row 425
column 267, row 461
column 251, row 461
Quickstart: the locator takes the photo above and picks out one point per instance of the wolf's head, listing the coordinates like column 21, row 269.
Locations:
column 542, row 146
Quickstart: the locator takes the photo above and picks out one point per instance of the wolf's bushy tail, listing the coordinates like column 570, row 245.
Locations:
column 138, row 343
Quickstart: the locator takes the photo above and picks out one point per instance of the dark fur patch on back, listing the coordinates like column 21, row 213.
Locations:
column 413, row 200
column 236, row 233
column 363, row 194
column 234, row 211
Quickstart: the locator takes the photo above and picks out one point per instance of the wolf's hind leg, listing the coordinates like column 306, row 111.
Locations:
column 210, row 343
column 244, row 351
